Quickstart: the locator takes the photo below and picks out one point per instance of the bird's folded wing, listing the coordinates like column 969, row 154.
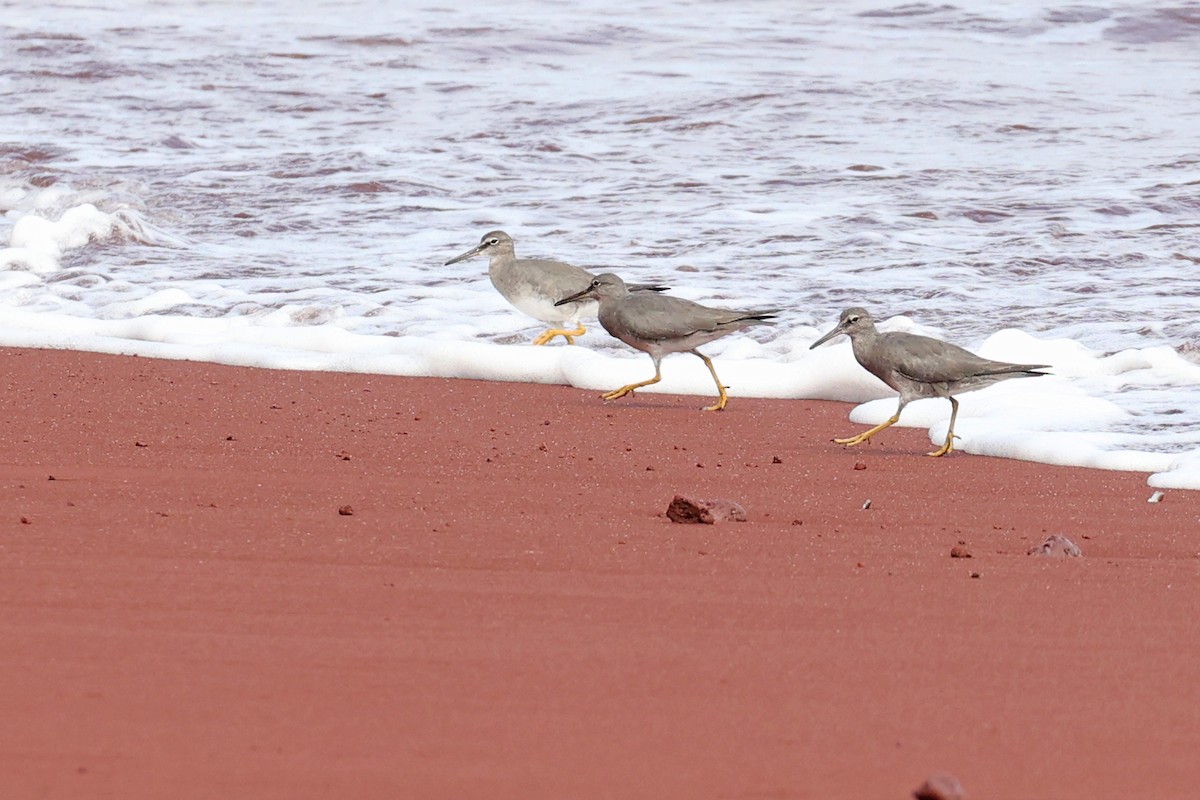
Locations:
column 656, row 317
column 927, row 360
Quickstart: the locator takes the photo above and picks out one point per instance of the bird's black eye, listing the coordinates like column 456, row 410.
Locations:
column 596, row 282
column 853, row 319
column 493, row 241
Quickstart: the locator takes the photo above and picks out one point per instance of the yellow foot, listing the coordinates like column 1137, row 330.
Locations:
column 944, row 449
column 629, row 387
column 867, row 434
column 717, row 406
column 853, row 440
column 549, row 335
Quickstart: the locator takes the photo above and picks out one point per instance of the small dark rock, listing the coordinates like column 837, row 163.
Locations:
column 346, row 511
column 776, row 460
column 26, row 521
column 706, row 512
column 859, row 465
column 941, row 786
column 1057, row 546
column 959, row 552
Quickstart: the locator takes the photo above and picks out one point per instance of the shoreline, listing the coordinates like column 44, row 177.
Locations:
column 507, row 612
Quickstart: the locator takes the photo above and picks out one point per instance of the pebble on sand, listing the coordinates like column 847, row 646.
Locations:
column 707, row 512
column 941, row 786
column 1057, row 546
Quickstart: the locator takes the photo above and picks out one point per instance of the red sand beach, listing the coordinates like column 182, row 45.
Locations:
column 507, row 613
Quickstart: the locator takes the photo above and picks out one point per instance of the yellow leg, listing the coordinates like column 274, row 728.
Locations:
column 949, row 444
column 568, row 335
column 624, row 390
column 720, row 404
column 866, row 435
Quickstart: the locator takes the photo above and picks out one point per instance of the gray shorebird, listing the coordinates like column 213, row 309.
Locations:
column 534, row 286
column 659, row 324
column 918, row 366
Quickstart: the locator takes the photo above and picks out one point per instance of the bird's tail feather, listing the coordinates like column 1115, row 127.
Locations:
column 1027, row 370
column 760, row 316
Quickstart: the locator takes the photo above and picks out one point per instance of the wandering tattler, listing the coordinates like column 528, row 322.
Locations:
column 918, row 366
column 535, row 285
column 659, row 324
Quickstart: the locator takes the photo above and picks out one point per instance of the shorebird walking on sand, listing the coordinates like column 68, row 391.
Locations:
column 534, row 285
column 918, row 366
column 660, row 324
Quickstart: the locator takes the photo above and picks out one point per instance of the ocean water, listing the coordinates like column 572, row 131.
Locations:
column 278, row 184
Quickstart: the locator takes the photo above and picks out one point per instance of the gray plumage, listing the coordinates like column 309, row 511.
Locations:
column 534, row 285
column 659, row 324
column 919, row 366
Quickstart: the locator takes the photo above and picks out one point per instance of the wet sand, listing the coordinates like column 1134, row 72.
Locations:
column 507, row 612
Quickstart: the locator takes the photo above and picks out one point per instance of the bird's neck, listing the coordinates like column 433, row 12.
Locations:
column 864, row 341
column 608, row 307
column 500, row 261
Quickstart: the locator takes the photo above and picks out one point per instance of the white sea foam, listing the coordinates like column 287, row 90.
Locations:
column 278, row 187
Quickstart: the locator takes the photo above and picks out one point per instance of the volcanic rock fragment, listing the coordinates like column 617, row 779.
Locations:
column 707, row 512
column 941, row 786
column 1057, row 546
